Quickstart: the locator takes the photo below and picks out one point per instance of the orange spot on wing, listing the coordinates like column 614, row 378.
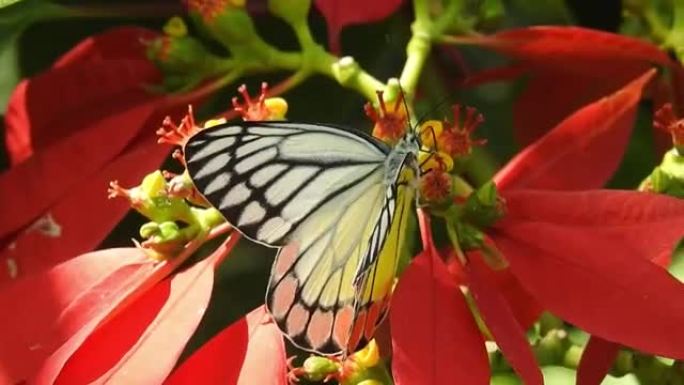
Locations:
column 343, row 323
column 287, row 256
column 283, row 296
column 320, row 328
column 296, row 321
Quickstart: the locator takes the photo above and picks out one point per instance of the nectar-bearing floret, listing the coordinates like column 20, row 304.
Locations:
column 390, row 124
column 665, row 120
column 261, row 108
column 453, row 138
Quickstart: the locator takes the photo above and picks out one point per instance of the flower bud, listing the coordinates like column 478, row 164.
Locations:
column 183, row 60
column 484, row 206
column 227, row 21
column 318, row 368
column 390, row 123
column 262, row 108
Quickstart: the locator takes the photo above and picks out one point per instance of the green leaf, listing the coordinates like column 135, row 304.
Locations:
column 7, row 3
column 15, row 17
column 677, row 266
column 558, row 375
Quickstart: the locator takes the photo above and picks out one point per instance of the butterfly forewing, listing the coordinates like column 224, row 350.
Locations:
column 267, row 177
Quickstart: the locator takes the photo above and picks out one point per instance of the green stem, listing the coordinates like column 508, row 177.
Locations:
column 453, row 237
column 417, row 49
column 675, row 39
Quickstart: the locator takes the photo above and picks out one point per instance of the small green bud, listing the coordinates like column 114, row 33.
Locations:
column 668, row 177
column 230, row 25
column 345, row 69
column 483, row 207
column 551, row 348
column 154, row 184
column 149, row 229
column 169, row 231
column 318, row 368
column 184, row 61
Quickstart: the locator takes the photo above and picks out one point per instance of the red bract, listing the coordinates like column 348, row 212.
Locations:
column 338, row 14
column 70, row 130
column 584, row 150
column 140, row 325
column 564, row 68
column 597, row 359
column 434, row 336
column 585, row 256
column 237, row 355
column 48, row 308
column 501, row 322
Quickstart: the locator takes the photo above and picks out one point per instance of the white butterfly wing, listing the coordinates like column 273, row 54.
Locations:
column 266, row 178
column 319, row 191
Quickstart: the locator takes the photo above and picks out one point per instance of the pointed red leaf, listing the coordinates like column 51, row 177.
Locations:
column 598, row 282
column 91, row 87
column 597, row 360
column 338, row 14
column 501, row 322
column 127, row 42
column 434, row 335
column 650, row 224
column 39, row 182
column 48, row 308
column 564, row 68
column 79, row 231
column 584, row 150
column 567, row 48
column 237, row 355
column 141, row 344
column 218, row 361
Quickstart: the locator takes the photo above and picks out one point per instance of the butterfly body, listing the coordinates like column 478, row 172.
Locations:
column 334, row 200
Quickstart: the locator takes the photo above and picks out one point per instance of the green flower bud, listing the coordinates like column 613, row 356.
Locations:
column 153, row 185
column 484, row 207
column 169, row 231
column 345, row 69
column 183, row 60
column 318, row 368
column 668, row 178
column 149, row 229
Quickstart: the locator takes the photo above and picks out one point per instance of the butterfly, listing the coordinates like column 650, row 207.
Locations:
column 336, row 201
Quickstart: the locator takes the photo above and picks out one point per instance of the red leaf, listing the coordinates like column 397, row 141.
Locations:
column 87, row 92
column 237, row 355
column 501, row 322
column 433, row 333
column 338, row 14
column 596, row 361
column 598, row 283
column 141, row 344
column 566, row 48
column 569, row 71
column 79, row 231
column 116, row 43
column 40, row 182
column 100, row 76
column 649, row 224
column 584, row 150
column 47, row 308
